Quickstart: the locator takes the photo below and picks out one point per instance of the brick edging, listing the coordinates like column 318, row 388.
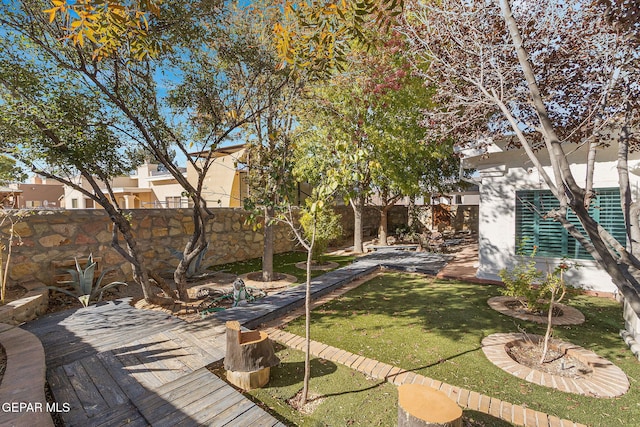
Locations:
column 24, row 379
column 515, row 414
column 606, row 380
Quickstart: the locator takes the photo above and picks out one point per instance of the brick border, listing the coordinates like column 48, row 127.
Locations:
column 515, row 414
column 607, row 380
column 570, row 315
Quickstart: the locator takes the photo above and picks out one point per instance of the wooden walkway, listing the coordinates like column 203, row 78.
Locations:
column 116, row 365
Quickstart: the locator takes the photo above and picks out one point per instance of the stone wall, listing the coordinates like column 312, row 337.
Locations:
column 61, row 235
column 396, row 217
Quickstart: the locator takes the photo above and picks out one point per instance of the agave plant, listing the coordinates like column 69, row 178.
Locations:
column 85, row 287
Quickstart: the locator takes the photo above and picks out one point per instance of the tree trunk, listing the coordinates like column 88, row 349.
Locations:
column 267, row 250
column 358, row 208
column 383, row 229
column 307, row 320
column 196, row 244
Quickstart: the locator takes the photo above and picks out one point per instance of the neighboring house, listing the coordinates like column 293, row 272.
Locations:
column 149, row 187
column 39, row 193
column 226, row 184
column 514, row 199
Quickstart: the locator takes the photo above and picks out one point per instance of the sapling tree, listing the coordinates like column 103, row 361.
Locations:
column 549, row 77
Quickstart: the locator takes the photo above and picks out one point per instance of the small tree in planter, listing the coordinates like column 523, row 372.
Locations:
column 556, row 289
column 326, row 225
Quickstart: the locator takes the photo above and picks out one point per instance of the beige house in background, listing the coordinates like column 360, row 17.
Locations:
column 225, row 185
column 148, row 188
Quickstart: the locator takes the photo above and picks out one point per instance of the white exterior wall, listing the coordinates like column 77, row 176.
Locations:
column 502, row 174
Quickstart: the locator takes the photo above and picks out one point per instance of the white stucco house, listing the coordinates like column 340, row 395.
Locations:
column 513, row 196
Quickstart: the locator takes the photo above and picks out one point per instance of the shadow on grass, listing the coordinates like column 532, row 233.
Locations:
column 475, row 418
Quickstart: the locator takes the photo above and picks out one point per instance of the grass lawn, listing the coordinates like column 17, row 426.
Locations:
column 435, row 328
column 346, row 397
column 282, row 263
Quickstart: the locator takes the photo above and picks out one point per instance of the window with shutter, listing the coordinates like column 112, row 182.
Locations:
column 549, row 236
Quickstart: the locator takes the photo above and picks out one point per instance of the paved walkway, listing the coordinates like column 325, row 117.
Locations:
column 118, row 365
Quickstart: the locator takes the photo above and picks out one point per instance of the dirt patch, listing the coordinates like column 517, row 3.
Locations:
column 313, row 401
column 519, row 308
column 14, row 293
column 556, row 362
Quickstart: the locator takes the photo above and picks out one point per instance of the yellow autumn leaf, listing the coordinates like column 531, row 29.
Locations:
column 89, row 33
column 52, row 13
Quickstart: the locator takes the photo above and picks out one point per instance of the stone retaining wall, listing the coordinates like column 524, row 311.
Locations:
column 61, row 235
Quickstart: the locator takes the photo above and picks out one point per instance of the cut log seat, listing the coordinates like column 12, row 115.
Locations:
column 422, row 406
column 250, row 356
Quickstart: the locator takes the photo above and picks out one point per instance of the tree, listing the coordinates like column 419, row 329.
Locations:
column 209, row 76
column 269, row 159
column 310, row 35
column 369, row 119
column 59, row 132
column 545, row 75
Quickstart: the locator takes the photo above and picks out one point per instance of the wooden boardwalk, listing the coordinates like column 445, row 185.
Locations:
column 117, row 365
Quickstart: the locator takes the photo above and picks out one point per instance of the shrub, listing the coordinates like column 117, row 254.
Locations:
column 85, row 287
column 525, row 282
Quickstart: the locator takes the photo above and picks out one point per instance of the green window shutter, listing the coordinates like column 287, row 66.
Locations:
column 550, row 237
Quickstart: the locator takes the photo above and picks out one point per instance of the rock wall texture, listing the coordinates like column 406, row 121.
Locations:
column 50, row 236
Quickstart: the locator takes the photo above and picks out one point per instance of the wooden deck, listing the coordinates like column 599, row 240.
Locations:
column 117, row 365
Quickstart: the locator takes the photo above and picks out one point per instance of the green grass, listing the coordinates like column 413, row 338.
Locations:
column 435, row 327
column 346, row 397
column 282, row 263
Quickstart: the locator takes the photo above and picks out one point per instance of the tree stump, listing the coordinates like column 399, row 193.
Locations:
column 422, row 406
column 249, row 357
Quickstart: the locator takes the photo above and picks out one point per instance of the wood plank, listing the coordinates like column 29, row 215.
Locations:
column 63, row 392
column 171, row 411
column 251, row 417
column 109, row 389
column 228, row 416
column 157, row 358
column 266, row 420
column 196, row 357
column 119, row 415
column 129, row 385
column 171, row 390
column 91, row 399
column 138, row 370
column 205, row 408
column 205, row 413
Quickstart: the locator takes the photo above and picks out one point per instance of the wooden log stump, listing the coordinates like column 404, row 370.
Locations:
column 422, row 406
column 250, row 356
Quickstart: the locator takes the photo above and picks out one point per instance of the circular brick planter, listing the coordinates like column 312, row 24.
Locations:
column 570, row 315
column 285, row 280
column 606, row 379
column 330, row 265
